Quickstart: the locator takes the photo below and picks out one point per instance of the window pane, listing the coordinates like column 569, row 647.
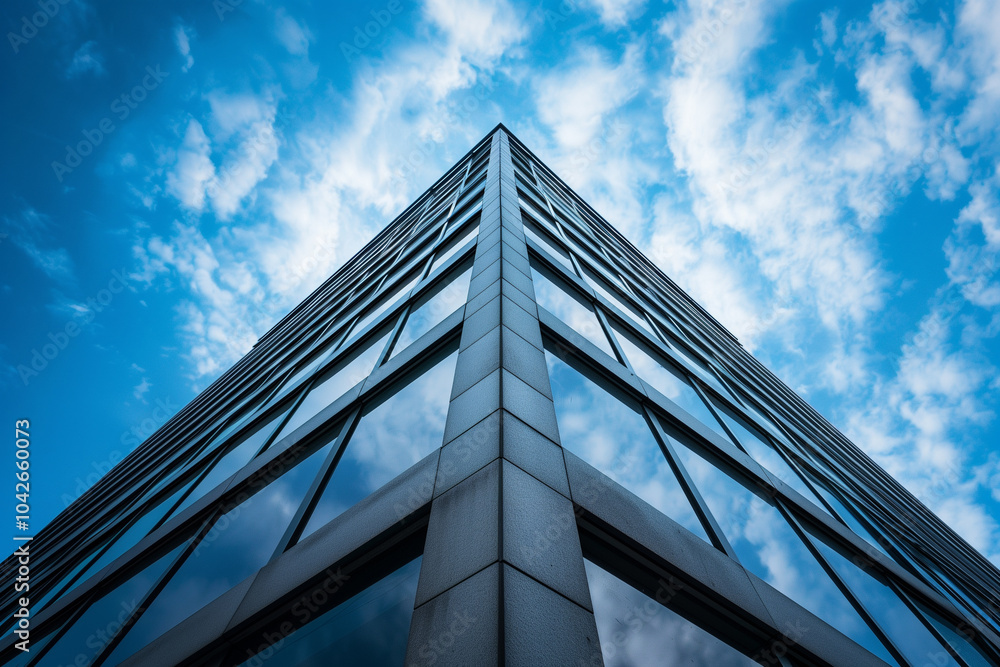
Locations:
column 454, row 246
column 667, row 379
column 562, row 301
column 239, row 542
column 95, row 628
column 614, row 437
column 433, row 308
column 133, row 534
column 371, row 628
column 556, row 252
column 637, row 631
column 599, row 286
column 238, row 456
column 849, row 518
column 762, row 451
column 767, row 546
column 390, row 438
column 909, row 634
column 334, row 382
column 384, row 305
column 960, row 640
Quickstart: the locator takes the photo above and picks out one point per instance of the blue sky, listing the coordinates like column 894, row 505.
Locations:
column 822, row 177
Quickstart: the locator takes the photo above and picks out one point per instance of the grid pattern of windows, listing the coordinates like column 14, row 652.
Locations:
column 500, row 400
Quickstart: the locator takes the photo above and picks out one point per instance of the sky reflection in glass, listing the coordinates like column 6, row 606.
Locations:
column 637, row 631
column 94, row 629
column 767, row 546
column 335, row 382
column 561, row 300
column 444, row 299
column 240, row 542
column 615, row 438
column 389, row 439
column 666, row 379
column 909, row 634
column 371, row 628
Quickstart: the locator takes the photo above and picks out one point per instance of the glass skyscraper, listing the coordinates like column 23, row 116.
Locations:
column 500, row 435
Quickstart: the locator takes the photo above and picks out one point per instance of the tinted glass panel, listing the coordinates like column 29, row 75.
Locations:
column 390, row 438
column 454, row 246
column 762, row 451
column 615, row 438
column 849, row 518
column 432, row 309
column 667, row 379
column 555, row 251
column 133, row 534
column 562, row 301
column 395, row 296
column 960, row 639
column 892, row 615
column 371, row 628
column 237, row 457
column 239, row 542
column 767, row 546
column 601, row 288
column 94, row 629
column 333, row 383
column 637, row 631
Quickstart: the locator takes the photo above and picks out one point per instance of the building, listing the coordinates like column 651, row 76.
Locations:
column 499, row 434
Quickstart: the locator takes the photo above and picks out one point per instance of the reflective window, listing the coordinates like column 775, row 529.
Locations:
column 384, row 305
column 390, row 437
column 960, row 639
column 540, row 238
column 637, row 631
column 239, row 455
column 336, row 381
column 431, row 309
column 609, row 433
column 767, row 546
column 760, row 449
column 849, row 518
column 370, row 628
column 313, row 363
column 555, row 296
column 133, row 534
column 92, row 631
column 666, row 379
column 909, row 634
column 601, row 288
column 457, row 243
column 239, row 542
column 700, row 368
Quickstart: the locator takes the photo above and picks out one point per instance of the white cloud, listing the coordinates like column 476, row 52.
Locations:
column 574, row 98
column 193, row 170
column 402, row 122
column 973, row 249
column 86, row 59
column 292, row 35
column 182, row 39
column 617, row 13
column 33, row 233
column 828, row 26
column 141, row 389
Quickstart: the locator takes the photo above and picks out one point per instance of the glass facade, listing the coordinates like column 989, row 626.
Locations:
column 499, row 431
